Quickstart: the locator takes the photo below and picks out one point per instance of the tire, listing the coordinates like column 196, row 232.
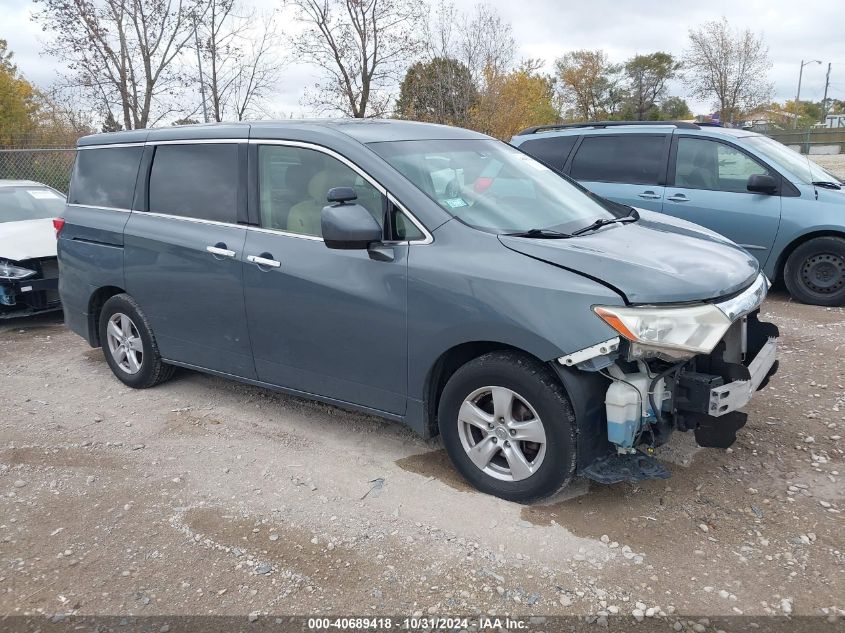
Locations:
column 815, row 272
column 538, row 411
column 131, row 350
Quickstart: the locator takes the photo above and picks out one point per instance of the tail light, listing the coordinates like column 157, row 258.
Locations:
column 58, row 224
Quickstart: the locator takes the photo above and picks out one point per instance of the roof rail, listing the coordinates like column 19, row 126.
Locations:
column 684, row 125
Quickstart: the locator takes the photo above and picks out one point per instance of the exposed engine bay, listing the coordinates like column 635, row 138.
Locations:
column 651, row 391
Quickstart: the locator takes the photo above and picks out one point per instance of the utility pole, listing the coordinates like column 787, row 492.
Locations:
column 824, row 100
column 202, row 80
column 798, row 94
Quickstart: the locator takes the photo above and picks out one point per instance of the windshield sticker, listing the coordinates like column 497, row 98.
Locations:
column 43, row 194
column 456, row 203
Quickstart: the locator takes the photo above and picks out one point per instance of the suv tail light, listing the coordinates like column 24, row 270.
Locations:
column 58, row 224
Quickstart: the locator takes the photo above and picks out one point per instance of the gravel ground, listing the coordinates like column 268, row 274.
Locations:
column 834, row 164
column 204, row 496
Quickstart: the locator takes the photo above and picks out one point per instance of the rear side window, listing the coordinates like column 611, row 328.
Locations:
column 196, row 181
column 105, row 177
column 553, row 150
column 629, row 158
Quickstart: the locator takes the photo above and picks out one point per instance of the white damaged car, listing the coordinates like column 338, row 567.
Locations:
column 29, row 271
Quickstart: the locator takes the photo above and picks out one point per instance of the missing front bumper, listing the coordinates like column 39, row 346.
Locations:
column 737, row 394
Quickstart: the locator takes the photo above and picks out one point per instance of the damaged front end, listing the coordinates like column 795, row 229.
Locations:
column 29, row 287
column 686, row 368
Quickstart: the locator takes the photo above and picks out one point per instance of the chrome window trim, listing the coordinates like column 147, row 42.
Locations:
column 427, row 239
column 747, row 301
column 302, row 236
column 94, row 206
column 189, row 219
column 111, row 145
column 198, row 141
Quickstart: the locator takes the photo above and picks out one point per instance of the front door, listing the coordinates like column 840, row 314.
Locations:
column 331, row 323
column 182, row 255
column 709, row 188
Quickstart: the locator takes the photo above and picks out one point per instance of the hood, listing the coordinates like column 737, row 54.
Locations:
column 27, row 239
column 658, row 259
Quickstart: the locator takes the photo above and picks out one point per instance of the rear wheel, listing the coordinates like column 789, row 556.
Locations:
column 129, row 345
column 815, row 272
column 508, row 426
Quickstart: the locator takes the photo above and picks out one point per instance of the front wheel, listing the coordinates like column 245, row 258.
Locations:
column 508, row 426
column 815, row 272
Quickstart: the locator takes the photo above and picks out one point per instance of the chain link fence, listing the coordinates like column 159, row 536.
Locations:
column 48, row 166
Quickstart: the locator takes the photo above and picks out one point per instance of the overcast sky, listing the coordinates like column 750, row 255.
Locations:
column 546, row 29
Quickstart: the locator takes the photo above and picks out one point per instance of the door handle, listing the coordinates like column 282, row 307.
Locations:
column 648, row 195
column 263, row 261
column 220, row 250
column 678, row 197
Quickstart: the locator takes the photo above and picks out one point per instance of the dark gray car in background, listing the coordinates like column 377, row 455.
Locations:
column 426, row 274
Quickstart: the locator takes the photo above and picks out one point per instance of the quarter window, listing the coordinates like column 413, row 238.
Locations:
column 706, row 164
column 632, row 158
column 196, row 181
column 294, row 183
column 105, row 177
column 553, row 150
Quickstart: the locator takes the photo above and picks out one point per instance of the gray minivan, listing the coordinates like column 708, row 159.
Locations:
column 426, row 274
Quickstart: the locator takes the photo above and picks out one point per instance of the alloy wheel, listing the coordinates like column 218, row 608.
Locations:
column 125, row 343
column 502, row 433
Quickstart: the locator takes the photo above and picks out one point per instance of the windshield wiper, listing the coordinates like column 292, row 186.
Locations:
column 547, row 234
column 633, row 216
column 827, row 184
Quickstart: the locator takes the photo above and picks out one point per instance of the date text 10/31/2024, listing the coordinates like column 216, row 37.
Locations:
column 413, row 623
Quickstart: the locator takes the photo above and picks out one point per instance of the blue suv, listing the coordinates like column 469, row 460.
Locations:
column 777, row 204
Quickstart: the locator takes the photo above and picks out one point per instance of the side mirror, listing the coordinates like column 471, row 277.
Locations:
column 762, row 183
column 349, row 226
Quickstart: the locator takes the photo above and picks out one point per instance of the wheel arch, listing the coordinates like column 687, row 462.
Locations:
column 95, row 306
column 780, row 267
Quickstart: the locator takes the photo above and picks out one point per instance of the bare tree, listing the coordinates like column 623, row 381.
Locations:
column 728, row 66
column 123, row 53
column 362, row 46
column 239, row 48
column 487, row 45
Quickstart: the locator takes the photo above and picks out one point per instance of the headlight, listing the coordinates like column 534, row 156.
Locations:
column 691, row 329
column 13, row 273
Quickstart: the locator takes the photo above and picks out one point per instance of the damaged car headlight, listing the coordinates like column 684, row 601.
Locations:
column 679, row 331
column 10, row 272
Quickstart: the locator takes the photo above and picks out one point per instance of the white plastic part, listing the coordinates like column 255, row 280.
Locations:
column 627, row 405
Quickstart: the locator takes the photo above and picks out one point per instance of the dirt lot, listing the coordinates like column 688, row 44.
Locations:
column 834, row 164
column 204, row 496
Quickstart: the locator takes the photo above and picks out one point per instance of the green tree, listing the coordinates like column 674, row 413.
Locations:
column 646, row 76
column 438, row 91
column 590, row 86
column 674, row 109
column 18, row 101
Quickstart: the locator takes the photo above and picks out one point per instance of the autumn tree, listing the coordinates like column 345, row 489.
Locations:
column 728, row 67
column 514, row 101
column 361, row 46
column 591, row 87
column 18, row 101
column 238, row 53
column 438, row 91
column 124, row 53
column 646, row 77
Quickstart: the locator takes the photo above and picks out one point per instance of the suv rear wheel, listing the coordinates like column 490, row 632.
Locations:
column 815, row 272
column 508, row 426
column 129, row 345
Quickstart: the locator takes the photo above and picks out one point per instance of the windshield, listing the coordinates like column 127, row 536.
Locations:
column 796, row 163
column 494, row 187
column 29, row 203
